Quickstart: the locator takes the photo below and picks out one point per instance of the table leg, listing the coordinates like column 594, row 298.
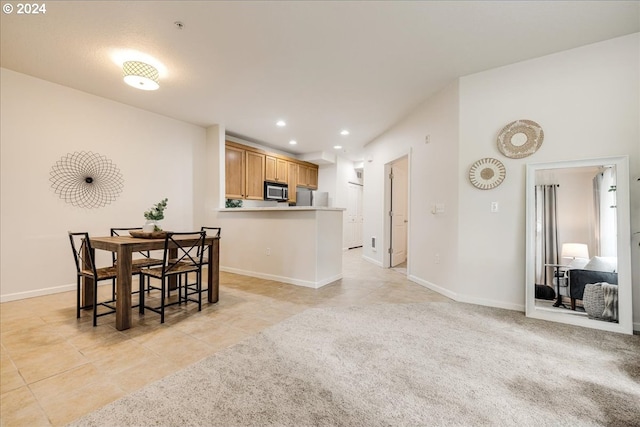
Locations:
column 213, row 267
column 123, row 288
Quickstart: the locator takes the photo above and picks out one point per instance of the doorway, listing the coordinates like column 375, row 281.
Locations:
column 397, row 199
column 353, row 216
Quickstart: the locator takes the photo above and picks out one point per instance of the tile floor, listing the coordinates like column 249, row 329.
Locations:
column 55, row 368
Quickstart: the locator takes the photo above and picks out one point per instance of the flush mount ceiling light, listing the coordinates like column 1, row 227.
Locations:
column 344, row 132
column 337, row 147
column 281, row 123
column 293, row 142
column 140, row 75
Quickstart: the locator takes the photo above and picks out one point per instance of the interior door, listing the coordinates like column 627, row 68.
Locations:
column 353, row 216
column 399, row 221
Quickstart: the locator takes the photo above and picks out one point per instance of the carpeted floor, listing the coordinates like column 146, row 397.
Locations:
column 423, row 364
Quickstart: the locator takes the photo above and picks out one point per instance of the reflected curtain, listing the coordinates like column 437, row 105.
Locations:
column 546, row 203
column 604, row 195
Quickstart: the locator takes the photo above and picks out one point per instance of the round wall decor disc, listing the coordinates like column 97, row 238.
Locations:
column 487, row 173
column 520, row 139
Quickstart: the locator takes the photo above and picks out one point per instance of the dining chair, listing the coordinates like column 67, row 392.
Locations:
column 143, row 261
column 217, row 230
column 182, row 255
column 84, row 256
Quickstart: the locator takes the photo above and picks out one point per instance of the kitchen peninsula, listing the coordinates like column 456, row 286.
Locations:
column 300, row 245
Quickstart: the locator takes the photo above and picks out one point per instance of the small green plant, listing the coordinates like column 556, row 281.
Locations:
column 156, row 213
column 231, row 203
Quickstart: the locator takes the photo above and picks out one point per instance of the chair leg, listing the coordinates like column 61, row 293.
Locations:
column 95, row 303
column 199, row 289
column 141, row 295
column 77, row 297
column 162, row 301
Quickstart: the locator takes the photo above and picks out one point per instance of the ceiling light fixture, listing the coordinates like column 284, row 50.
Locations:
column 293, row 142
column 281, row 123
column 344, row 132
column 140, row 75
column 337, row 147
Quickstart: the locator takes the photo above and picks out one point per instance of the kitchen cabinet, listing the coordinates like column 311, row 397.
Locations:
column 308, row 176
column 234, row 183
column 276, row 169
column 254, row 175
column 292, row 180
column 303, row 175
column 247, row 168
column 244, row 173
column 313, row 178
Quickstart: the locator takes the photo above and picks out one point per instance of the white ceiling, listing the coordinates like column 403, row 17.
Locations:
column 321, row 66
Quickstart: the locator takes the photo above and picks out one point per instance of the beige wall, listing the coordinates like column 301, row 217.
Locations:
column 42, row 122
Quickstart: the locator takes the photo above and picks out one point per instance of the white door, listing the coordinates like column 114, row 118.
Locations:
column 353, row 216
column 399, row 190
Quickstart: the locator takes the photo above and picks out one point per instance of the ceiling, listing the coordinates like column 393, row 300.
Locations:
column 320, row 66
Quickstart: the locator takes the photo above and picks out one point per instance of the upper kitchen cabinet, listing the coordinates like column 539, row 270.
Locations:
column 255, row 175
column 308, row 176
column 292, row 180
column 276, row 169
column 247, row 168
column 234, row 165
column 244, row 173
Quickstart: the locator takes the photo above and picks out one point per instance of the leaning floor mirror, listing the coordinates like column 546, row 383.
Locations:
column 578, row 266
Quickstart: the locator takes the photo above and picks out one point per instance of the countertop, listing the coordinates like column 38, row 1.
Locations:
column 283, row 209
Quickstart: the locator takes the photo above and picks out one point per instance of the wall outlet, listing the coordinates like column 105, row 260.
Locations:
column 436, row 259
column 494, row 207
column 268, row 251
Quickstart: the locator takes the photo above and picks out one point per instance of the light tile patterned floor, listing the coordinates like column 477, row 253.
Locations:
column 55, row 368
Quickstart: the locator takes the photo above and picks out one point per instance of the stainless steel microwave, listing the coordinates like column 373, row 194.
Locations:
column 276, row 191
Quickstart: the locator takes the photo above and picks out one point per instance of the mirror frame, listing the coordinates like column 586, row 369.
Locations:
column 625, row 302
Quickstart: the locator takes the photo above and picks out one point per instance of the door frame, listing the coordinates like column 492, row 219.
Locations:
column 386, row 257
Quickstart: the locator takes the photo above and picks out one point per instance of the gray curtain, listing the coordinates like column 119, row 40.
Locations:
column 546, row 202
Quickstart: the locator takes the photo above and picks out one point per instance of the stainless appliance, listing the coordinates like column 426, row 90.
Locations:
column 312, row 198
column 276, row 191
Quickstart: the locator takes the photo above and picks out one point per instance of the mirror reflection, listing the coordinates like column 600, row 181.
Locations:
column 576, row 259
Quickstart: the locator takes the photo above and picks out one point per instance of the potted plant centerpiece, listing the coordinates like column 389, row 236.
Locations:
column 153, row 215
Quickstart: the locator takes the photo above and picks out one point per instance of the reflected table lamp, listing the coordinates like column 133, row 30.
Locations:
column 574, row 251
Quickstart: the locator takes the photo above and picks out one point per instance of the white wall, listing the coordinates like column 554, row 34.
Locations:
column 42, row 122
column 433, row 176
column 587, row 102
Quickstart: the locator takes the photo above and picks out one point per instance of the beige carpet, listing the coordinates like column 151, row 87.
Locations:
column 423, row 364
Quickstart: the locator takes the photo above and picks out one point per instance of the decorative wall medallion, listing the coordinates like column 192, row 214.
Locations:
column 86, row 180
column 520, row 139
column 487, row 173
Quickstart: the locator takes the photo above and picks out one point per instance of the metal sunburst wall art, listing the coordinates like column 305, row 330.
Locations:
column 86, row 180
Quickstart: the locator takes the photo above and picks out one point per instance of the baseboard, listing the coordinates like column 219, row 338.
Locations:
column 41, row 292
column 466, row 298
column 442, row 291
column 289, row 280
column 372, row 261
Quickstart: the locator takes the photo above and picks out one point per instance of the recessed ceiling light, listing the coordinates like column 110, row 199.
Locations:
column 344, row 132
column 293, row 142
column 281, row 123
column 337, row 147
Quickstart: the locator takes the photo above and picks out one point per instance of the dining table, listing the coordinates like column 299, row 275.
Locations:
column 125, row 247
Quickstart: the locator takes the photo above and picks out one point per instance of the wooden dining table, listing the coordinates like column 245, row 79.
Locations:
column 125, row 247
